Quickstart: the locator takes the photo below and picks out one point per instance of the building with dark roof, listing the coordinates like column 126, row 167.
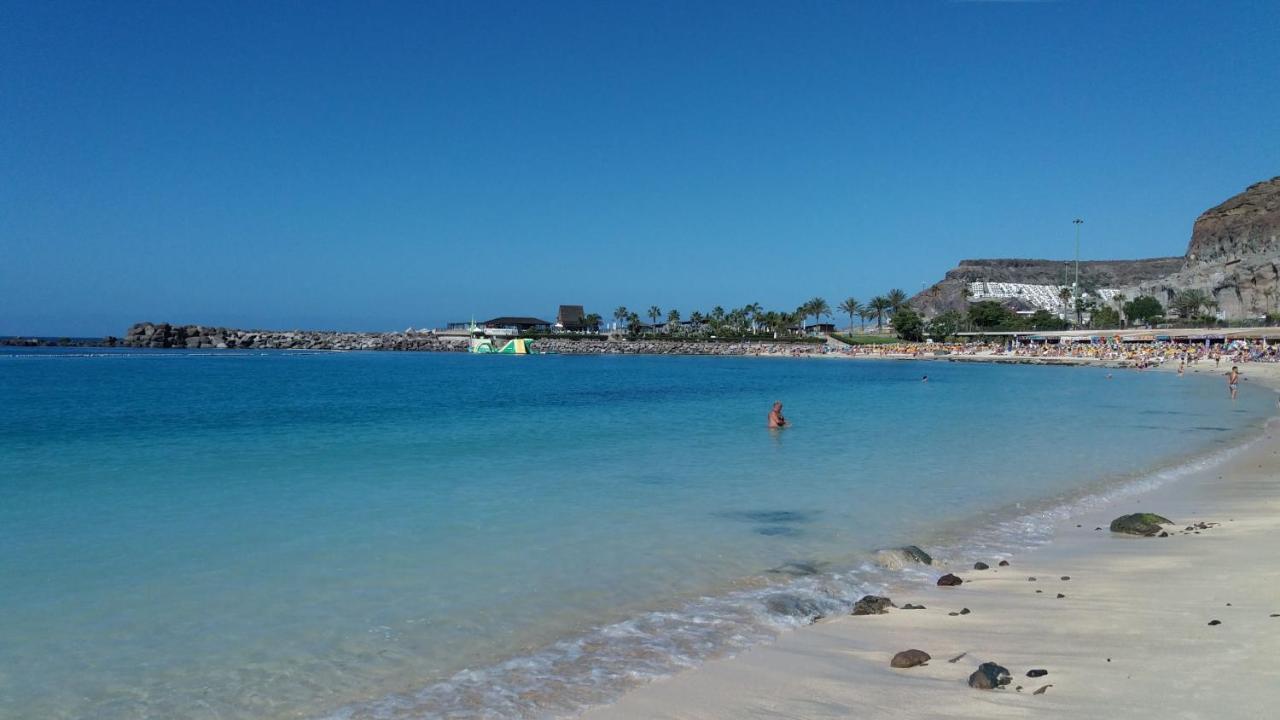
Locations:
column 519, row 324
column 571, row 318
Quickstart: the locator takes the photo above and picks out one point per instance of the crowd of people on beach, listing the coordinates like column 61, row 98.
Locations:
column 1138, row 355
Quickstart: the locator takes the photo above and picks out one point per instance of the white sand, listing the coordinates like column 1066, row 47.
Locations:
column 1131, row 637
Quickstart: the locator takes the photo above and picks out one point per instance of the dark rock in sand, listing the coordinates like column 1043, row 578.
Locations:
column 949, row 580
column 910, row 658
column 1031, row 579
column 1164, row 534
column 957, row 658
column 1040, row 691
column 1139, row 524
column 1004, row 563
column 964, row 611
column 990, row 676
column 909, row 606
column 1037, row 673
column 1215, row 622
column 872, row 605
column 981, row 566
column 1066, row 577
column 1060, row 596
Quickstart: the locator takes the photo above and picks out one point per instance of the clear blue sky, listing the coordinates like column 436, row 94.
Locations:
column 378, row 165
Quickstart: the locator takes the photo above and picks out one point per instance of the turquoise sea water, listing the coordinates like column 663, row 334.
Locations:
column 398, row 535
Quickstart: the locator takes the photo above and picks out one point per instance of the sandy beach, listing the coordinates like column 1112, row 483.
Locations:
column 1121, row 624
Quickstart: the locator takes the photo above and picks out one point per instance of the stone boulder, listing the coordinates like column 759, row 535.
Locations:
column 1146, row 524
column 872, row 605
column 949, row 580
column 990, row 676
column 795, row 606
column 900, row 557
column 910, row 659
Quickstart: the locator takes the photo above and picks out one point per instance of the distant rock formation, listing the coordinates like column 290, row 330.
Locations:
column 949, row 293
column 1234, row 255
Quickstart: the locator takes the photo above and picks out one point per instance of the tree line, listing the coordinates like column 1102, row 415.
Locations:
column 754, row 319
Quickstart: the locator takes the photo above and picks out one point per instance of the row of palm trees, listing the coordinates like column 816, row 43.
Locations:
column 753, row 318
column 877, row 308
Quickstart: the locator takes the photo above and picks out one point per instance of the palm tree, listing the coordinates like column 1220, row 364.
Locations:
column 673, row 317
column 696, row 318
column 753, row 311
column 851, row 307
column 633, row 322
column 592, row 322
column 620, row 314
column 770, row 321
column 654, row 313
column 879, row 305
column 818, row 307
column 865, row 314
column 897, row 299
column 1065, row 296
column 717, row 315
column 1189, row 302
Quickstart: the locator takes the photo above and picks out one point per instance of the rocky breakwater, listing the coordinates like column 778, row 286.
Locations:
column 197, row 337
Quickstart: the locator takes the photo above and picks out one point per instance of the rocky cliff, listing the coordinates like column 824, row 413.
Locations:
column 1247, row 224
column 1234, row 254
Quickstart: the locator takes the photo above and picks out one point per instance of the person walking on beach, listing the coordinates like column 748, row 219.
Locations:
column 776, row 420
column 1233, row 380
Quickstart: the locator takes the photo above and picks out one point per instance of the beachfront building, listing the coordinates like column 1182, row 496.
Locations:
column 517, row 325
column 818, row 329
column 571, row 318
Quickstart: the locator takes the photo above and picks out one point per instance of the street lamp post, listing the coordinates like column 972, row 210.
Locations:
column 1075, row 286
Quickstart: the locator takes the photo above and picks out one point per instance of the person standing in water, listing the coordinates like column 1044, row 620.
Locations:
column 1233, row 381
column 776, row 420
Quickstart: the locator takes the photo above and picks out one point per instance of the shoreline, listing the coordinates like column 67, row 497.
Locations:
column 1133, row 624
column 998, row 535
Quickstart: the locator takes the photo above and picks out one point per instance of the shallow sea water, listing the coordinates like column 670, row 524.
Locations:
column 399, row 535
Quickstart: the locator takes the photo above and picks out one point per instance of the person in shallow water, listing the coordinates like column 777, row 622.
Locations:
column 776, row 420
column 1233, row 381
